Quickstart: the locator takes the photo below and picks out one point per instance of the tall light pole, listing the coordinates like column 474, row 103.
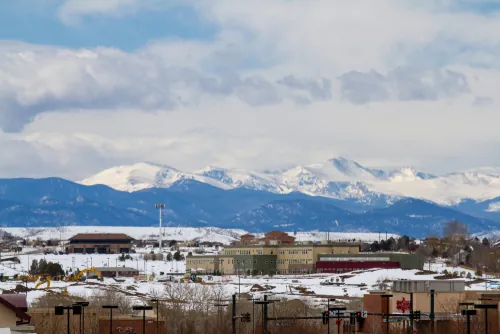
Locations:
column 110, row 307
column 160, row 207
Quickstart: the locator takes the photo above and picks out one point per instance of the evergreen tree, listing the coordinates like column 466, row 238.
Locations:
column 169, row 256
column 34, row 267
column 486, row 242
column 177, row 256
column 42, row 266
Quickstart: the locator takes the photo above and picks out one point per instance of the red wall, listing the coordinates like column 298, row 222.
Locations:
column 332, row 266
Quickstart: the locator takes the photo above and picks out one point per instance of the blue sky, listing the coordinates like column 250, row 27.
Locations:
column 262, row 84
column 38, row 22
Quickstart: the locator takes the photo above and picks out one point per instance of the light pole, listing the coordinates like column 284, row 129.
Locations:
column 160, row 207
column 485, row 307
column 143, row 308
column 82, row 315
column 157, row 315
column 110, row 307
column 387, row 297
column 253, row 312
column 59, row 310
column 468, row 312
column 329, row 300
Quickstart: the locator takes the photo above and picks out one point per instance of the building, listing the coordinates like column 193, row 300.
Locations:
column 276, row 253
column 118, row 271
column 101, row 243
column 448, row 297
column 270, row 238
column 341, row 263
column 13, row 308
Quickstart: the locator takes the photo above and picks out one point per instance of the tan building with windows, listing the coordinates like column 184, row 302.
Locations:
column 274, row 253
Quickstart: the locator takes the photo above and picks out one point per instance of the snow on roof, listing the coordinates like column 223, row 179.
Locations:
column 101, row 236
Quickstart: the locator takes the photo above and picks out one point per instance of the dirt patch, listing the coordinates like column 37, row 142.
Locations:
column 445, row 277
column 257, row 288
column 426, row 272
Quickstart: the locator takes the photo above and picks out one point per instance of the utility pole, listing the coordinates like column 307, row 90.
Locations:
column 265, row 317
column 387, row 297
column 431, row 314
column 233, row 319
column 253, row 313
column 160, row 207
column 329, row 299
column 486, row 307
column 411, row 313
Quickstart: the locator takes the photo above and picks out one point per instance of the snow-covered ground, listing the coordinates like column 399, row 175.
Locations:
column 354, row 284
column 211, row 234
column 180, row 234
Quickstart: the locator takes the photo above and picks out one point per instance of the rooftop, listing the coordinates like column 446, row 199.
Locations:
column 332, row 244
column 101, row 236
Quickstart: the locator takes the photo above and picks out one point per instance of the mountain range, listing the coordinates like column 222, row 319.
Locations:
column 337, row 195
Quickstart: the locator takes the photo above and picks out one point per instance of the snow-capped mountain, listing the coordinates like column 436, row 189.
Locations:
column 145, row 175
column 337, row 178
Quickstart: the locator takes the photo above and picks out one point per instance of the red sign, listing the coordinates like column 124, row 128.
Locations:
column 403, row 305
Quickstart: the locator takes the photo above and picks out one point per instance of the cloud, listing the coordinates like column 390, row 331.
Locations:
column 483, row 101
column 403, row 84
column 282, row 82
column 71, row 12
column 34, row 81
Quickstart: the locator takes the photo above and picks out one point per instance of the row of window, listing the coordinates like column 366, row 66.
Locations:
column 200, row 261
column 295, row 251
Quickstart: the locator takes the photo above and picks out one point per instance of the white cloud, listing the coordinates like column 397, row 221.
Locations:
column 71, row 11
column 275, row 87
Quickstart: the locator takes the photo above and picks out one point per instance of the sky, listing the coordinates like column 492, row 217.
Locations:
column 265, row 84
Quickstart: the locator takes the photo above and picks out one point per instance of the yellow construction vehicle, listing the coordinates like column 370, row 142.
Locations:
column 91, row 270
column 45, row 280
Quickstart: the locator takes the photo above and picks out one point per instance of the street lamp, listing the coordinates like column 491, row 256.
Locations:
column 110, row 307
column 253, row 312
column 82, row 315
column 157, row 314
column 387, row 310
column 59, row 310
column 329, row 300
column 485, row 307
column 160, row 207
column 143, row 308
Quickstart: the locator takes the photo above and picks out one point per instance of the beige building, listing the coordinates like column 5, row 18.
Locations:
column 268, row 257
column 13, row 314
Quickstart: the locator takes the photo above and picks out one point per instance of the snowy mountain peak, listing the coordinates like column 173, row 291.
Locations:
column 406, row 174
column 338, row 178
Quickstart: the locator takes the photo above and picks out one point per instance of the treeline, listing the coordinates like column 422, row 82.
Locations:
column 455, row 245
column 43, row 267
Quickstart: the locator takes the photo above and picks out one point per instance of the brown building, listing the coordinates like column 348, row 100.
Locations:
column 100, row 243
column 270, row 238
column 13, row 309
column 118, row 271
